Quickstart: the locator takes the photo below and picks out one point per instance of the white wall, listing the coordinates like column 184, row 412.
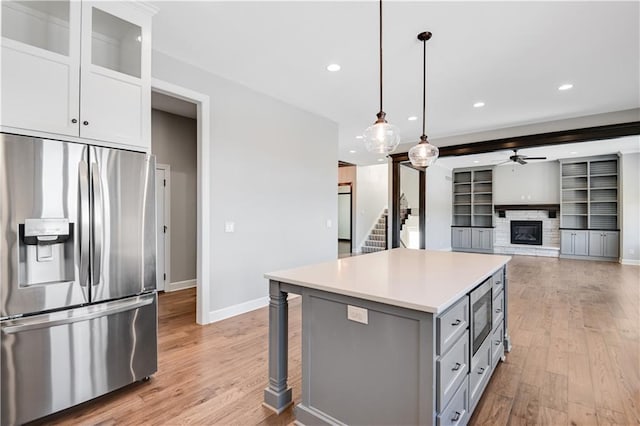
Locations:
column 630, row 169
column 409, row 186
column 371, row 199
column 438, row 214
column 273, row 173
column 531, row 183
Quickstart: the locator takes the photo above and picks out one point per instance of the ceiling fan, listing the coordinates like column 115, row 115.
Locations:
column 521, row 159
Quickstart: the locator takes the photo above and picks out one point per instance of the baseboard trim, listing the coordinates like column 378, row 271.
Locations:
column 180, row 285
column 633, row 262
column 238, row 309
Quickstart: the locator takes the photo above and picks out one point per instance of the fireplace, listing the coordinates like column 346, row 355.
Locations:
column 526, row 232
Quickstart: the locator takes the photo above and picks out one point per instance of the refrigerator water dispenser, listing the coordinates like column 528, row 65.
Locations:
column 46, row 251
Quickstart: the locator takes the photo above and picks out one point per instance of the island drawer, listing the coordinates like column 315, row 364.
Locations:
column 498, row 281
column 480, row 371
column 457, row 411
column 451, row 370
column 451, row 325
column 498, row 309
column 497, row 345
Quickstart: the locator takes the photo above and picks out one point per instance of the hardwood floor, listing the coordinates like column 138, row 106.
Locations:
column 574, row 325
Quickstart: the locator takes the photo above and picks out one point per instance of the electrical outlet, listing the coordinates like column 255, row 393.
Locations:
column 357, row 314
column 329, row 223
column 229, row 227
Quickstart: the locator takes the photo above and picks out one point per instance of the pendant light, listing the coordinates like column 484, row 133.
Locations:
column 381, row 137
column 424, row 154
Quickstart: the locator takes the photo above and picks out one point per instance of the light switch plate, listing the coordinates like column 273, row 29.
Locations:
column 229, row 226
column 357, row 314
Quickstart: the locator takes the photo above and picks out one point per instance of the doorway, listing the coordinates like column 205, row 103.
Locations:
column 345, row 221
column 188, row 102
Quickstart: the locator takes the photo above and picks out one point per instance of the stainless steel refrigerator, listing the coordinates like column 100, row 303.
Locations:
column 78, row 303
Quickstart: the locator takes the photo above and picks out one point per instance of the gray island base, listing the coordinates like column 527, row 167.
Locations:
column 396, row 337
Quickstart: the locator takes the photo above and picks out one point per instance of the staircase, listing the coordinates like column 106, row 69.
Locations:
column 377, row 239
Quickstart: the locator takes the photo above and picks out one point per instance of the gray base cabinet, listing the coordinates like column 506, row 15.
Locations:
column 472, row 239
column 482, row 239
column 460, row 238
column 597, row 245
column 574, row 242
column 603, row 243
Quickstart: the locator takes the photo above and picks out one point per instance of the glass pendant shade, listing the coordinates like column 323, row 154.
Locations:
column 424, row 154
column 381, row 138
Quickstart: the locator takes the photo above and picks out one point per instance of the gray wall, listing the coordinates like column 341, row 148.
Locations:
column 630, row 168
column 174, row 142
column 527, row 184
column 273, row 173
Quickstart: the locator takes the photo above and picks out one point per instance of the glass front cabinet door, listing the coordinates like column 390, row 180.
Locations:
column 41, row 66
column 80, row 69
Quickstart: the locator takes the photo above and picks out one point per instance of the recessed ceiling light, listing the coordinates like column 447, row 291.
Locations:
column 333, row 67
column 573, row 152
column 359, row 137
column 412, row 118
column 478, row 105
column 476, row 161
column 565, row 86
column 380, row 159
column 353, row 151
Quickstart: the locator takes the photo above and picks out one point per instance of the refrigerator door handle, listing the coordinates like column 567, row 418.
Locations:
column 83, row 178
column 86, row 313
column 98, row 222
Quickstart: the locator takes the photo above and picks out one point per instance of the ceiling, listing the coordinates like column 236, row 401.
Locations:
column 511, row 55
column 173, row 105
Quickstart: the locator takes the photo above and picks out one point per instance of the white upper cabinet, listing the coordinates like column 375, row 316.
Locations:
column 80, row 69
column 41, row 66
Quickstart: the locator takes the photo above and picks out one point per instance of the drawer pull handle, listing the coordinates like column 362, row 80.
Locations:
column 498, row 310
column 457, row 367
column 481, row 370
column 456, row 417
column 498, row 342
column 498, row 282
column 457, row 322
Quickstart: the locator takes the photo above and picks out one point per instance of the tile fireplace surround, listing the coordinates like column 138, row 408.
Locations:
column 550, row 234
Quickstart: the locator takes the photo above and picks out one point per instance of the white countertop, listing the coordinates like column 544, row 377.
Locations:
column 423, row 280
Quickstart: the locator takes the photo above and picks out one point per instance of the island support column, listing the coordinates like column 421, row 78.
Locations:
column 277, row 396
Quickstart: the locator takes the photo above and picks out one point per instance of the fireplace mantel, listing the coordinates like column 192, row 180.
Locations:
column 552, row 209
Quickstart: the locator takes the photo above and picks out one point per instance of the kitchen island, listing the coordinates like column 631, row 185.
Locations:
column 395, row 337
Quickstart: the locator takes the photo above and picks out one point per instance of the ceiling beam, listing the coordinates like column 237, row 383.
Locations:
column 586, row 134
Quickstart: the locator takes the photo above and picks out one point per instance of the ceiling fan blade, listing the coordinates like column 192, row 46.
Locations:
column 521, row 161
column 536, row 158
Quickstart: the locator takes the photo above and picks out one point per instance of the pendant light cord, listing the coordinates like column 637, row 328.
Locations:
column 424, row 85
column 380, row 55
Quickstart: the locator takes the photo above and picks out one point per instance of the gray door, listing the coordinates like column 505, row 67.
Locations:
column 581, row 243
column 595, row 243
column 566, row 242
column 43, row 188
column 123, row 258
column 611, row 244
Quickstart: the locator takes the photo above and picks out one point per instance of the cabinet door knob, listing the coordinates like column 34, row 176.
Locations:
column 480, row 370
column 498, row 342
column 498, row 310
column 74, row 120
column 456, row 417
column 456, row 367
column 86, row 123
column 457, row 322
